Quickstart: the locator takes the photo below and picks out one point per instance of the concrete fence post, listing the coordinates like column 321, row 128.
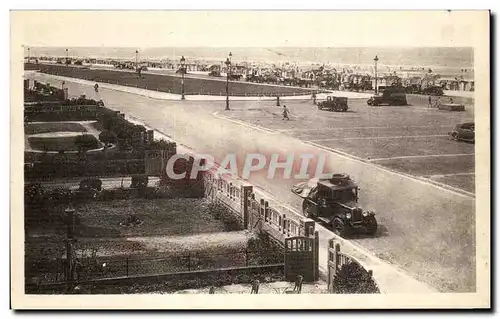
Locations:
column 266, row 211
column 284, row 228
column 316, row 255
column 246, row 196
column 337, row 256
column 262, row 209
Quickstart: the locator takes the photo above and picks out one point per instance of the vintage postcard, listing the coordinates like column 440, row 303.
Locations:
column 309, row 159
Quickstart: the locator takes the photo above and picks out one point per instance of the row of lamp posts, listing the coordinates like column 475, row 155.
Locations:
column 228, row 67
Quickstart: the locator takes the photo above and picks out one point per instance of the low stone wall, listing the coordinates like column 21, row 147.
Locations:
column 254, row 209
column 170, row 282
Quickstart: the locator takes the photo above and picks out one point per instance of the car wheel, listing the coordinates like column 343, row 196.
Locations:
column 371, row 225
column 454, row 135
column 305, row 209
column 339, row 227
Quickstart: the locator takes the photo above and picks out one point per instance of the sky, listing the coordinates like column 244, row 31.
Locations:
column 143, row 29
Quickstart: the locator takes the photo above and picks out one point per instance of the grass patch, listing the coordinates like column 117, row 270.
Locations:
column 168, row 83
column 162, row 217
column 38, row 128
column 60, row 143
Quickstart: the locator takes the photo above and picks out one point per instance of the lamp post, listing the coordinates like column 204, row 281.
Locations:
column 67, row 57
column 376, row 86
column 70, row 240
column 228, row 66
column 136, row 60
column 183, row 64
column 29, row 56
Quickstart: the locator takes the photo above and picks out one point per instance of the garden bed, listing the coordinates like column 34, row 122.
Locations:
column 58, row 143
column 37, row 128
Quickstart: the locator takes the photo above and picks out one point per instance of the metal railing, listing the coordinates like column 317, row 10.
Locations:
column 119, row 267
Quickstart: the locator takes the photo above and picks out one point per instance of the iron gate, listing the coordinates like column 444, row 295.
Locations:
column 301, row 258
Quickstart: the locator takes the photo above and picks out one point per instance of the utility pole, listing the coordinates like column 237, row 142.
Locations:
column 376, row 79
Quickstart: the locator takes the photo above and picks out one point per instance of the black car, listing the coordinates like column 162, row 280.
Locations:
column 333, row 201
column 464, row 132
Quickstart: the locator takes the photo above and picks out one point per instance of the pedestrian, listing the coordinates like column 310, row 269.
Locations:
column 430, row 101
column 451, row 100
column 255, row 287
column 285, row 113
column 314, row 98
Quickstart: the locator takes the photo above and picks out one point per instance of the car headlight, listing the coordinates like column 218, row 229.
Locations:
column 348, row 215
column 365, row 213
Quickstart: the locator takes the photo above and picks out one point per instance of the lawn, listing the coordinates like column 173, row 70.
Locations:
column 167, row 83
column 162, row 217
column 37, row 128
column 144, row 249
column 60, row 143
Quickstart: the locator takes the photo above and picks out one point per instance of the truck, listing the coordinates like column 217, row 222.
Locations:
column 332, row 200
column 391, row 95
column 333, row 103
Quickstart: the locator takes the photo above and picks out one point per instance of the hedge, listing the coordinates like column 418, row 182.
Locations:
column 50, row 170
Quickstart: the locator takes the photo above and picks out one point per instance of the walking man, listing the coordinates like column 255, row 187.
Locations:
column 430, row 101
column 285, row 113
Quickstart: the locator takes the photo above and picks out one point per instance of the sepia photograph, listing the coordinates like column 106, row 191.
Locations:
column 330, row 155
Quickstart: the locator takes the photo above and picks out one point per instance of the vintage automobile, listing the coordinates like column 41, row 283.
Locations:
column 433, row 90
column 391, row 95
column 333, row 103
column 214, row 73
column 463, row 132
column 333, row 201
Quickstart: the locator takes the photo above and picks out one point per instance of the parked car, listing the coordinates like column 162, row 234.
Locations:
column 214, row 73
column 390, row 95
column 464, row 132
column 433, row 90
column 333, row 103
column 333, row 201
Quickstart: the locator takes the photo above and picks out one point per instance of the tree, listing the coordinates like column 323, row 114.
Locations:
column 107, row 137
column 85, row 142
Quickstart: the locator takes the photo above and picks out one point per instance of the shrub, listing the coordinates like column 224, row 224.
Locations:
column 107, row 137
column 91, row 183
column 139, row 181
column 86, row 142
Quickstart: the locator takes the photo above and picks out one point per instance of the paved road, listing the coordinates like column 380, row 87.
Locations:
column 426, row 230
